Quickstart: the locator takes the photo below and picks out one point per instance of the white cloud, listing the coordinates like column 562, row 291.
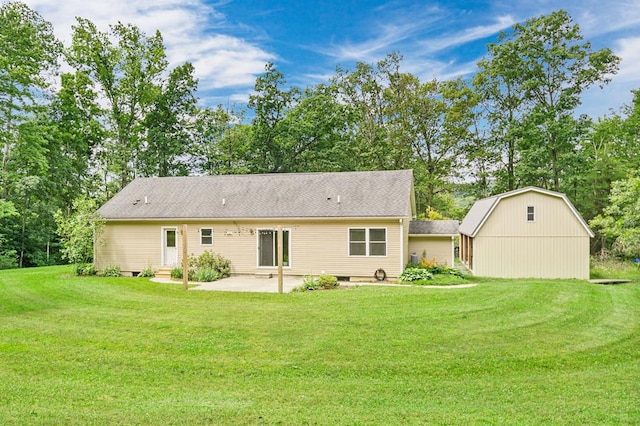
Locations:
column 191, row 30
column 469, row 34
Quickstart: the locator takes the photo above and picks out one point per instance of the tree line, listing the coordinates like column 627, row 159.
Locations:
column 71, row 140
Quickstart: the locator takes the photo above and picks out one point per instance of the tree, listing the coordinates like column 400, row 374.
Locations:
column 29, row 51
column 620, row 220
column 270, row 104
column 430, row 124
column 536, row 74
column 220, row 142
column 79, row 230
column 167, row 123
column 126, row 74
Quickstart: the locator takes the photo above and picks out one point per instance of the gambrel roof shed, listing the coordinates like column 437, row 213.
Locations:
column 286, row 195
column 527, row 233
column 482, row 209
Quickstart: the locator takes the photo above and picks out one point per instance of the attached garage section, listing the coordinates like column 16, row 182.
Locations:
column 433, row 240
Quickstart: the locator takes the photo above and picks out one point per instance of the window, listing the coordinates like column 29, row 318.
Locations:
column 367, row 242
column 268, row 247
column 206, row 236
column 530, row 214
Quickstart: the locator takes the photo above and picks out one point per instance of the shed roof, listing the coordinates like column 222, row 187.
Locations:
column 284, row 195
column 433, row 227
column 482, row 209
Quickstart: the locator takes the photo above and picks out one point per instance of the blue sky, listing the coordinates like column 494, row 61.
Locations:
column 229, row 41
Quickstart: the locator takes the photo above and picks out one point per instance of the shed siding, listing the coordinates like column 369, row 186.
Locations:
column 531, row 257
column 432, row 247
column 316, row 246
column 554, row 245
column 552, row 217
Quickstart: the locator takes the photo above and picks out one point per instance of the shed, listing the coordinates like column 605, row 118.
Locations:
column 526, row 233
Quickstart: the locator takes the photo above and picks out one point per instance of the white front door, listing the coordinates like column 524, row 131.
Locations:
column 169, row 246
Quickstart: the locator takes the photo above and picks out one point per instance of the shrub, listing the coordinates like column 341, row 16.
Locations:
column 327, row 281
column 176, row 273
column 210, row 260
column 324, row 282
column 412, row 274
column 206, row 275
column 111, row 271
column 85, row 269
column 148, row 272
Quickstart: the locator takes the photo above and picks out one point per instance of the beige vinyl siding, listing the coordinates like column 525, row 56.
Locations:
column 554, row 245
column 531, row 257
column 552, row 217
column 317, row 246
column 131, row 246
column 432, row 247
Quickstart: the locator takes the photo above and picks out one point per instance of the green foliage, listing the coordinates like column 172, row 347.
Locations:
column 176, row 273
column 85, row 269
column 147, row 272
column 620, row 220
column 207, row 267
column 411, row 274
column 322, row 282
column 111, row 271
column 206, row 274
column 79, row 230
column 212, row 261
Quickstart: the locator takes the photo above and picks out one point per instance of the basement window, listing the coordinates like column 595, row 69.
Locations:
column 531, row 216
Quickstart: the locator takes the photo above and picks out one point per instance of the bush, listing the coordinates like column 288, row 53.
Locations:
column 147, row 272
column 176, row 273
column 85, row 269
column 327, row 281
column 324, row 282
column 210, row 260
column 111, row 271
column 412, row 274
column 206, row 275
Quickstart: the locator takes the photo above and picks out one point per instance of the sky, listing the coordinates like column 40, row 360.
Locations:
column 230, row 41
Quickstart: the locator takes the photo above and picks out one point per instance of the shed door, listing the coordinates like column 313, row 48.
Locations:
column 169, row 247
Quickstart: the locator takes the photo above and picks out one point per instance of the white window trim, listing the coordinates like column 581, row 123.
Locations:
column 367, row 241
column 533, row 212
column 275, row 254
column 203, row 244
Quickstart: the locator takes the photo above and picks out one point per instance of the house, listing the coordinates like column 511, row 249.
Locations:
column 433, row 240
column 526, row 233
column 347, row 224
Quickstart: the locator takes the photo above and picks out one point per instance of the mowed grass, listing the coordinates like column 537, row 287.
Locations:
column 127, row 351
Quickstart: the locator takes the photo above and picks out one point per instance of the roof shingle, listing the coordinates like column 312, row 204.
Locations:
column 284, row 195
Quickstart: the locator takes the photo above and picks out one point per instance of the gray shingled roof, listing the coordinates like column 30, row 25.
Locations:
column 433, row 227
column 345, row 194
column 482, row 208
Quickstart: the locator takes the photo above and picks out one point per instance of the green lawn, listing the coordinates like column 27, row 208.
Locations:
column 128, row 351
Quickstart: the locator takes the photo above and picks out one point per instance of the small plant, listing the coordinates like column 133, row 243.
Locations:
column 324, row 282
column 327, row 282
column 147, row 272
column 85, row 269
column 412, row 274
column 111, row 271
column 176, row 273
column 209, row 266
column 206, row 275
